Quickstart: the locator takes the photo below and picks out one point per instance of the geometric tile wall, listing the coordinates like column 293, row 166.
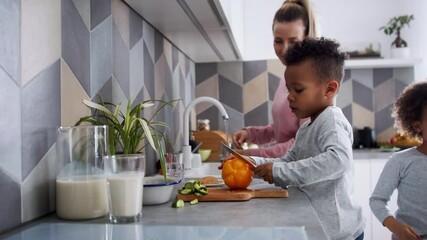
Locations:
column 54, row 53
column 246, row 89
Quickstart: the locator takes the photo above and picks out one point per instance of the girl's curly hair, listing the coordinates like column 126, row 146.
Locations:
column 408, row 108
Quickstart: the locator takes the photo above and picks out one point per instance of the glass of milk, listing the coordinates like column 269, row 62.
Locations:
column 125, row 176
column 81, row 187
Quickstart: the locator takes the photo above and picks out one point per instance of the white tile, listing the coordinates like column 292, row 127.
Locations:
column 38, row 188
column 159, row 83
column 72, row 93
column 362, row 117
column 167, row 50
column 118, row 95
column 345, row 94
column 209, row 88
column 40, row 36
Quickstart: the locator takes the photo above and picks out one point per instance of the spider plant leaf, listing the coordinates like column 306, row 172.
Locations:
column 147, row 132
column 97, row 106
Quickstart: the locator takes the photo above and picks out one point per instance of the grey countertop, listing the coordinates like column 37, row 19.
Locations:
column 293, row 217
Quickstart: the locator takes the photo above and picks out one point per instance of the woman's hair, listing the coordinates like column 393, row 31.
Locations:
column 293, row 10
column 408, row 108
column 324, row 54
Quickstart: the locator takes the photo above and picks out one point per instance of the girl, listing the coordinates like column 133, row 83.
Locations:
column 406, row 171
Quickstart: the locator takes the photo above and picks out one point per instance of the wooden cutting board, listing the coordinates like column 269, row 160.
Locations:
column 225, row 194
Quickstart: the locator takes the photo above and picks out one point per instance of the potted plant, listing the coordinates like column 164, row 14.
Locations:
column 129, row 132
column 394, row 25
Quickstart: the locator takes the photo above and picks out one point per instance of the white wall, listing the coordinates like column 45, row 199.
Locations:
column 347, row 21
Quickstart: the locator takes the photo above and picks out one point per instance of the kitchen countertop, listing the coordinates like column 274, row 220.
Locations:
column 371, row 153
column 292, row 218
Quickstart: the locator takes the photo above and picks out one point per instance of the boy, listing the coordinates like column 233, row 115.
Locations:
column 320, row 161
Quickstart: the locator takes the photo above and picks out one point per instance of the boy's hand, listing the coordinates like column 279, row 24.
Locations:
column 222, row 163
column 402, row 231
column 265, row 171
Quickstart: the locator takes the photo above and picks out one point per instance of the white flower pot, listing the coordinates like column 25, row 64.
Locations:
column 400, row 52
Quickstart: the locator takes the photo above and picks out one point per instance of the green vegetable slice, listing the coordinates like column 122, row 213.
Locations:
column 178, row 203
column 194, row 201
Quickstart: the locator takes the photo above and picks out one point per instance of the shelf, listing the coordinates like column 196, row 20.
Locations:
column 381, row 63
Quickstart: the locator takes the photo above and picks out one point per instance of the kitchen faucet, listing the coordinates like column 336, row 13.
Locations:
column 186, row 148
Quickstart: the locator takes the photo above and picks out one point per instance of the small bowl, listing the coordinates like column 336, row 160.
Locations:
column 205, row 153
column 157, row 191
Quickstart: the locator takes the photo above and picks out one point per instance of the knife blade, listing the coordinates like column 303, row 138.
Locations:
column 238, row 155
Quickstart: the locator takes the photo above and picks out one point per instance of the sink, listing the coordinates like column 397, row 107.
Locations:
column 207, row 169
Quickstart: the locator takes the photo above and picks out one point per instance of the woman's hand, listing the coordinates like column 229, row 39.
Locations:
column 265, row 171
column 402, row 231
column 239, row 138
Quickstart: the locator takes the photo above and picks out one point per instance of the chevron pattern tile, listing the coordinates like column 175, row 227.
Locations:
column 247, row 89
column 74, row 49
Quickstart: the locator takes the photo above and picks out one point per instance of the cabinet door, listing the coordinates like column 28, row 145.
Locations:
column 362, row 191
column 379, row 232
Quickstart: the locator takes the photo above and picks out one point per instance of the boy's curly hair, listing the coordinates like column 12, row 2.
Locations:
column 325, row 55
column 408, row 108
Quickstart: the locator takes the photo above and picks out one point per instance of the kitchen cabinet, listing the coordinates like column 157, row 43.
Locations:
column 199, row 29
column 366, row 174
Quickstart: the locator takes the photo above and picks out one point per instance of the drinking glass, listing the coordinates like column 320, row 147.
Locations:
column 125, row 177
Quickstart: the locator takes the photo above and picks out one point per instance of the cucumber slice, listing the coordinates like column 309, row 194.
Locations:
column 178, row 203
column 186, row 191
column 202, row 191
column 194, row 201
column 188, row 185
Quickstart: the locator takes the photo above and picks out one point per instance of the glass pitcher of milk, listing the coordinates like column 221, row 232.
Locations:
column 81, row 186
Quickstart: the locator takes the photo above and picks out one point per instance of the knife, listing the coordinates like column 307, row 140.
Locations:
column 238, row 155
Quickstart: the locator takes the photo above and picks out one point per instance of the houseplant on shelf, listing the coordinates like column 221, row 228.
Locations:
column 394, row 25
column 128, row 131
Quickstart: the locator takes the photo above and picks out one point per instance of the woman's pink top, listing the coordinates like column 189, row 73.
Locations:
column 281, row 132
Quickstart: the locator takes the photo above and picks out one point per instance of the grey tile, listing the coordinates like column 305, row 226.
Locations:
column 234, row 123
column 182, row 86
column 273, row 84
column 381, row 75
column 10, row 40
column 105, row 92
column 135, row 25
column 251, row 69
column 148, row 72
column 138, row 99
column 187, row 66
column 404, row 74
column 347, row 75
column 232, row 70
column 99, row 11
column 10, row 126
column 148, row 34
column 399, row 87
column 230, row 93
column 10, row 206
column 383, row 120
column 158, row 45
column 174, row 57
column 75, row 43
column 362, row 95
column 348, row 113
column 363, row 76
column 101, row 56
column 83, row 7
column 166, row 76
column 212, row 114
column 136, row 63
column 41, row 113
column 120, row 61
column 258, row 116
column 205, row 71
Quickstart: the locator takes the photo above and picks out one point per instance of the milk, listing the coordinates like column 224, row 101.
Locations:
column 81, row 197
column 126, row 194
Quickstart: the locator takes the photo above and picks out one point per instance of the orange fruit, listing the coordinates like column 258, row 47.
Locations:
column 236, row 174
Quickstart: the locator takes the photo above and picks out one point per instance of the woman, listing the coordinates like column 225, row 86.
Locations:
column 293, row 22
